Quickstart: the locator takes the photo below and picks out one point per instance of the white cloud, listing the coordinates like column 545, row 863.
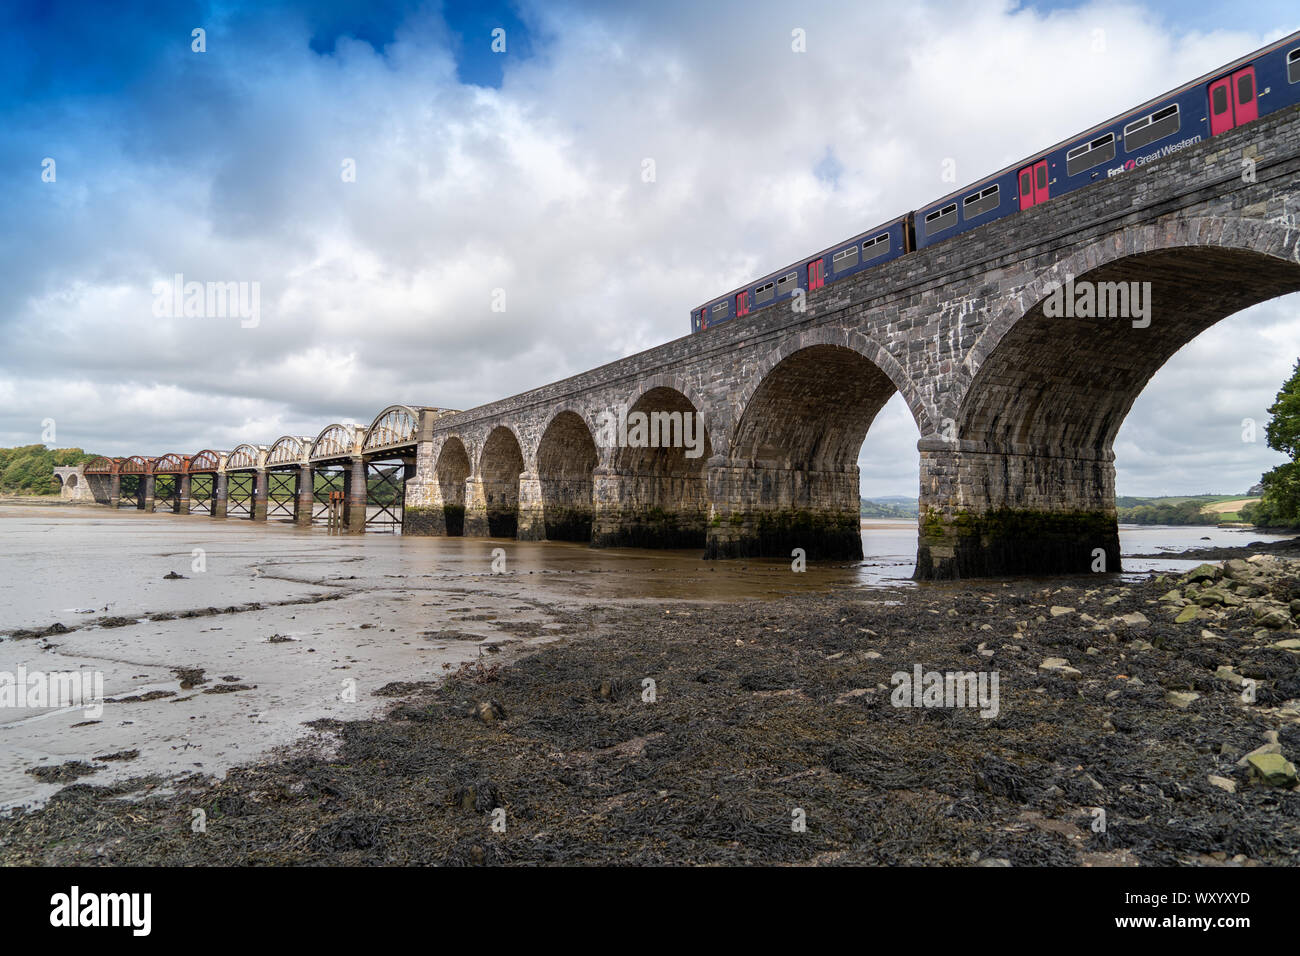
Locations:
column 379, row 290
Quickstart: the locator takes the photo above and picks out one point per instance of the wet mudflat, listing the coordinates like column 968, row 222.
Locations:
column 1119, row 696
column 218, row 640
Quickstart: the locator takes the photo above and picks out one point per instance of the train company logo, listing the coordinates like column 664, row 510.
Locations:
column 623, row 429
column 41, row 689
column 1161, row 153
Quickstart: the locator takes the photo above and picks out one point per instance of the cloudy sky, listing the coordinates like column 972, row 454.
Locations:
column 522, row 170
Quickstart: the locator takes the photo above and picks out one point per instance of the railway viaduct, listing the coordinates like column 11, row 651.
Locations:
column 1017, row 406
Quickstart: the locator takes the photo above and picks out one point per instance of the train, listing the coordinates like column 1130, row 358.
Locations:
column 1240, row 92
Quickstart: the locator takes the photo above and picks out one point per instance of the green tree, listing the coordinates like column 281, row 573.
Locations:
column 1281, row 501
column 29, row 469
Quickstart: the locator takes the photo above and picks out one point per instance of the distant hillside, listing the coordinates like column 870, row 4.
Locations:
column 1181, row 510
column 889, row 506
column 1204, row 509
column 29, row 470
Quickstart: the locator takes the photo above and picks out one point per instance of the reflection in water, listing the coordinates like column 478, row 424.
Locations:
column 58, row 560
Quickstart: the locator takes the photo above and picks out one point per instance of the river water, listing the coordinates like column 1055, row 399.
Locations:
column 308, row 625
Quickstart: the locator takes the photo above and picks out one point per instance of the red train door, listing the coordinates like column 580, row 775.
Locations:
column 816, row 274
column 1233, row 101
column 1033, row 184
column 1244, row 103
column 742, row 303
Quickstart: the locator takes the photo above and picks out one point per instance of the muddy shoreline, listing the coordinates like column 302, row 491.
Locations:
column 1124, row 698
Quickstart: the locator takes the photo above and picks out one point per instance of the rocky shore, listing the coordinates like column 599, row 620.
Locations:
column 1147, row 723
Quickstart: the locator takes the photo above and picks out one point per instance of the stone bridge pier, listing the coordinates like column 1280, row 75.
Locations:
column 75, row 485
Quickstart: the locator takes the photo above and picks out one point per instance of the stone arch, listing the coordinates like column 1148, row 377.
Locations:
column 566, row 460
column 844, row 338
column 500, row 464
column 713, row 415
column 451, row 471
column 60, row 484
column 1027, row 481
column 791, row 477
column 657, row 496
column 1062, row 386
column 72, row 482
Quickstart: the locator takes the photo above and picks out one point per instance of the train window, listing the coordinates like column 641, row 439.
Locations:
column 1085, row 157
column 978, row 203
column 719, row 311
column 845, row 259
column 786, row 283
column 1219, row 100
column 875, row 247
column 1245, row 87
column 941, row 219
column 765, row 292
column 1150, row 128
column 1293, row 66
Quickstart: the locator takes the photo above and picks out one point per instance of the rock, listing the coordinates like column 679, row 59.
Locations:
column 173, row 576
column 853, row 694
column 1209, row 636
column 1273, row 769
column 1058, row 611
column 1266, row 750
column 993, row 861
column 1258, row 560
column 1223, row 783
column 1232, row 677
column 1058, row 665
column 1173, row 597
column 1203, row 572
column 1140, row 645
column 1189, row 613
column 1272, row 618
column 1182, row 699
column 1135, row 619
column 489, row 711
column 1291, row 644
column 1212, row 596
column 872, row 655
column 1113, row 599
column 1237, row 569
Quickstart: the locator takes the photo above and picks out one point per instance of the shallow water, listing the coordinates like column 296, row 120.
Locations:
column 398, row 609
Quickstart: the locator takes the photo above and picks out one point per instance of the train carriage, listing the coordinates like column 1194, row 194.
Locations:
column 864, row 251
column 1255, row 85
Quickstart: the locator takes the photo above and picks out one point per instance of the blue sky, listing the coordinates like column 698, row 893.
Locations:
column 476, row 170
